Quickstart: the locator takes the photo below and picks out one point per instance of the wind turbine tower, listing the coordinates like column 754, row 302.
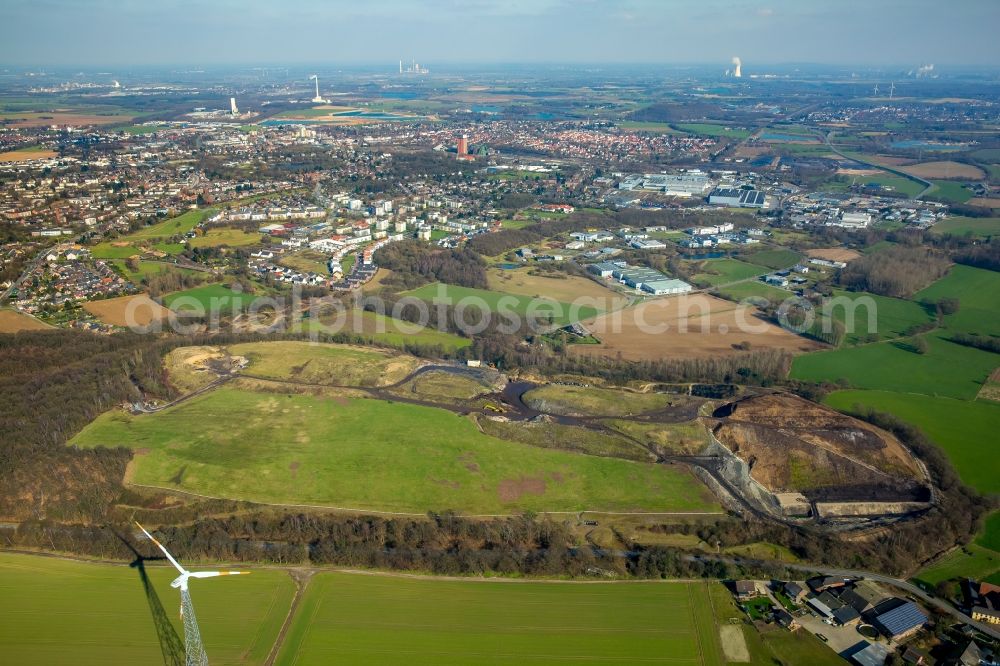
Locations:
column 317, row 99
column 892, row 89
column 194, row 649
column 876, row 90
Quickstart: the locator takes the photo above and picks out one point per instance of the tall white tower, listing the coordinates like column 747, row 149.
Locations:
column 232, row 106
column 737, row 65
column 317, row 98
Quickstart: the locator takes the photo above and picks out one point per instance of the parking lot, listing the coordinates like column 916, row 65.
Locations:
column 838, row 638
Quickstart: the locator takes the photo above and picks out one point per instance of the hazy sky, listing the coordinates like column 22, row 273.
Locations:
column 206, row 32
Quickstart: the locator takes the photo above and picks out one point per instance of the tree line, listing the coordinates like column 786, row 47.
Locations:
column 52, row 383
column 415, row 263
column 897, row 271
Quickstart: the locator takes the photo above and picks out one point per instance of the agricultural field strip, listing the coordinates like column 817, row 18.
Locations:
column 591, row 601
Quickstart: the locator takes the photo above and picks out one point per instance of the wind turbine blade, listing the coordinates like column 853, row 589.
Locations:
column 213, row 574
column 165, row 551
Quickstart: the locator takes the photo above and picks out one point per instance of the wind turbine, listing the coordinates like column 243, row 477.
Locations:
column 317, row 98
column 892, row 88
column 193, row 649
column 876, row 90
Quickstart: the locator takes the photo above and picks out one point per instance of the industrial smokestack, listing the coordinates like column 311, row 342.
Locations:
column 737, row 64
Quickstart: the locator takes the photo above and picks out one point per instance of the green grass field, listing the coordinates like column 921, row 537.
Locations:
column 374, row 455
column 147, row 236
column 380, row 620
column 498, row 302
column 976, row 289
column 971, row 226
column 721, row 271
column 151, row 268
column 138, row 130
column 174, row 226
column 710, row 129
column 776, row 259
column 963, row 429
column 754, row 289
column 991, row 155
column 950, row 191
column 326, row 364
column 386, row 330
column 63, row 612
column 226, row 236
column 595, row 401
column 990, row 536
column 971, row 561
column 654, row 127
column 306, row 261
column 517, row 224
column 947, row 369
column 904, row 186
column 893, row 316
column 212, row 296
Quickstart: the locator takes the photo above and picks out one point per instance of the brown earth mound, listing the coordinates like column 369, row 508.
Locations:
column 793, row 445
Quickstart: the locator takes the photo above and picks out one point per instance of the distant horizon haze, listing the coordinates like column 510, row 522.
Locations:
column 175, row 33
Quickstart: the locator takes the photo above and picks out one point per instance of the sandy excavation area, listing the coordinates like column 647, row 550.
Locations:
column 833, row 254
column 138, row 310
column 686, row 326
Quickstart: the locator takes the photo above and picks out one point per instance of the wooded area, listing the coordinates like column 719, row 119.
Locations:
column 896, row 271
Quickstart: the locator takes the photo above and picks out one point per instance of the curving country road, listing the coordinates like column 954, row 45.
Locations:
column 928, row 185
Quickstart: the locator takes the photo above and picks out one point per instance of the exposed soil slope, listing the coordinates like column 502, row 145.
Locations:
column 793, row 445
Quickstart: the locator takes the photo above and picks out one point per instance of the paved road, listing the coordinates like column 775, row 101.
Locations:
column 928, row 185
column 28, row 269
column 906, row 586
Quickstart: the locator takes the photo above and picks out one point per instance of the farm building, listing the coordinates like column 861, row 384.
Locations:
column 735, row 198
column 911, row 655
column 901, row 621
column 794, row 591
column 869, row 654
column 785, row 619
column 862, row 597
column 972, row 655
column 823, row 583
column 745, row 589
column 821, row 608
column 983, row 600
column 846, row 616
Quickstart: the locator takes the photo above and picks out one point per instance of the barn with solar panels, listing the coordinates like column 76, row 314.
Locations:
column 901, row 621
